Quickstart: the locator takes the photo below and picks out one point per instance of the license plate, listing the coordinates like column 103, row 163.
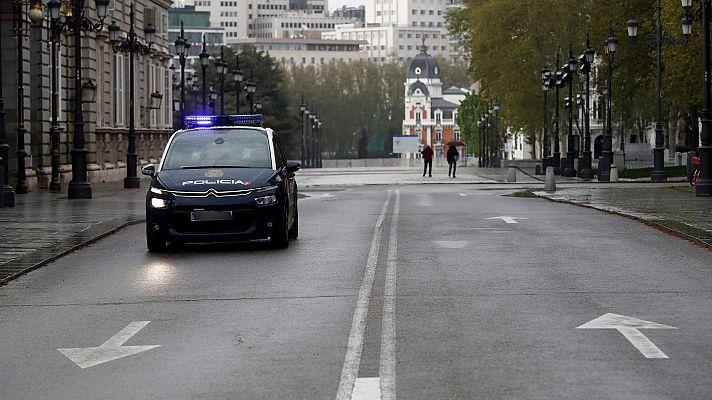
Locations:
column 211, row 215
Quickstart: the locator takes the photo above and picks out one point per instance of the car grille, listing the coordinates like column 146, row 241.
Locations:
column 241, row 221
column 211, row 192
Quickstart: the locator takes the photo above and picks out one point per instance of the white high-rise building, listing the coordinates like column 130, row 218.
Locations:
column 238, row 17
column 395, row 28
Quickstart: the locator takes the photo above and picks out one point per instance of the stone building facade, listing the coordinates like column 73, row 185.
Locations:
column 106, row 119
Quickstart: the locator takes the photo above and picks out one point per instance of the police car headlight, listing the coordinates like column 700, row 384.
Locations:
column 156, row 190
column 159, row 203
column 266, row 200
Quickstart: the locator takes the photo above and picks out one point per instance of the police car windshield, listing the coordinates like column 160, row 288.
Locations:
column 205, row 148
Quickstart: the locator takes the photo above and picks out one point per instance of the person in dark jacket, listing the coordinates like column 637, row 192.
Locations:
column 427, row 153
column 452, row 157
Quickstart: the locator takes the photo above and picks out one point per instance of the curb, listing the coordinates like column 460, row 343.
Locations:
column 637, row 217
column 66, row 250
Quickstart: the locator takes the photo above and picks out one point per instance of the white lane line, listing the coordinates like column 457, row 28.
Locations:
column 352, row 360
column 641, row 342
column 463, row 195
column 387, row 369
column 367, row 389
column 452, row 244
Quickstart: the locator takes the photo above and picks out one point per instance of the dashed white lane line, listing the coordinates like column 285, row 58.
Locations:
column 463, row 195
column 367, row 389
column 452, row 244
column 387, row 370
column 352, row 360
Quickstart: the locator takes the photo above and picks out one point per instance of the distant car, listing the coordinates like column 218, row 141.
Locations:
column 223, row 178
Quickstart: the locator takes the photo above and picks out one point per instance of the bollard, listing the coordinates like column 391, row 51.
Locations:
column 550, row 180
column 614, row 173
column 511, row 174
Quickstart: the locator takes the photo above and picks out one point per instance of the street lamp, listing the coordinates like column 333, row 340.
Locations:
column 704, row 185
column 258, row 107
column 558, row 83
column 310, row 143
column 251, row 88
column 213, row 96
column 222, row 70
column 586, row 61
column 315, row 123
column 480, row 128
column 204, row 60
column 302, row 111
column 55, row 185
column 237, row 77
column 131, row 45
column 657, row 41
column 7, row 193
column 195, row 89
column 546, row 142
column 568, row 72
column 604, row 163
column 182, row 47
column 75, row 22
column 20, row 31
column 318, row 144
column 497, row 155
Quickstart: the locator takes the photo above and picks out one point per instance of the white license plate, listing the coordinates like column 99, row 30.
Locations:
column 211, row 215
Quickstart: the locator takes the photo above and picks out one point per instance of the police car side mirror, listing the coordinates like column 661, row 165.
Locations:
column 293, row 166
column 148, row 169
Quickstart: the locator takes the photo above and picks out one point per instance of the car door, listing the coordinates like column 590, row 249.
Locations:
column 290, row 183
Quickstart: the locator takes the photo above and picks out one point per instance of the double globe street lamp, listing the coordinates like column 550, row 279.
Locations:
column 606, row 159
column 704, row 185
column 586, row 61
column 182, row 48
column 74, row 23
column 237, row 77
column 131, row 45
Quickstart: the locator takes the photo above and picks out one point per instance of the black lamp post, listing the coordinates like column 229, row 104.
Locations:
column 195, row 89
column 182, row 47
column 586, row 60
column 480, row 131
column 318, row 144
column 213, row 95
column 559, row 82
column 568, row 77
column 310, row 142
column 497, row 156
column 604, row 163
column 546, row 145
column 75, row 22
column 19, row 31
column 237, row 77
column 302, row 111
column 250, row 88
column 204, row 59
column 131, row 45
column 55, row 185
column 7, row 193
column 656, row 41
column 315, row 123
column 704, row 185
column 222, row 69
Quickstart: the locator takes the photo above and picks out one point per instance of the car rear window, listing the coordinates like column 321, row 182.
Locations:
column 248, row 148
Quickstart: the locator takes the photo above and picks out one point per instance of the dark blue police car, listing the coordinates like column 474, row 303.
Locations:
column 222, row 178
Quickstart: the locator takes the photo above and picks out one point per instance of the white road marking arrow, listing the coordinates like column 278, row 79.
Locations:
column 509, row 220
column 629, row 328
column 111, row 350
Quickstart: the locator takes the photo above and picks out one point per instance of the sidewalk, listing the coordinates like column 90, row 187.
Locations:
column 44, row 226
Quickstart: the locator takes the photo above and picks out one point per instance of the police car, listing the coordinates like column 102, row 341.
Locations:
column 222, row 178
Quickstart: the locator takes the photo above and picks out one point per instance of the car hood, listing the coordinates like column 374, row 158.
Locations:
column 220, row 179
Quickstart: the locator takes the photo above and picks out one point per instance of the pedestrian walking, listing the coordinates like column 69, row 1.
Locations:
column 452, row 157
column 427, row 153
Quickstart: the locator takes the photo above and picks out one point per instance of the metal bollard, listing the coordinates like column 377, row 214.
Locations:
column 613, row 173
column 512, row 174
column 550, row 180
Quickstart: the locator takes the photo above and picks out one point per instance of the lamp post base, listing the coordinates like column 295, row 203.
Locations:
column 570, row 171
column 132, row 183
column 604, row 166
column 585, row 170
column 79, row 190
column 556, row 163
column 658, row 174
column 55, row 187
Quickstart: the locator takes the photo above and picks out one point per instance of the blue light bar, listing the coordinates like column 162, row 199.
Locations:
column 223, row 120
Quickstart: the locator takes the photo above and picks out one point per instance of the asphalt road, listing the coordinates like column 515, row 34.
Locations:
column 407, row 292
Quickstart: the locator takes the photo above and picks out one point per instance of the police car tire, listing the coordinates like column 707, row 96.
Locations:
column 280, row 239
column 294, row 230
